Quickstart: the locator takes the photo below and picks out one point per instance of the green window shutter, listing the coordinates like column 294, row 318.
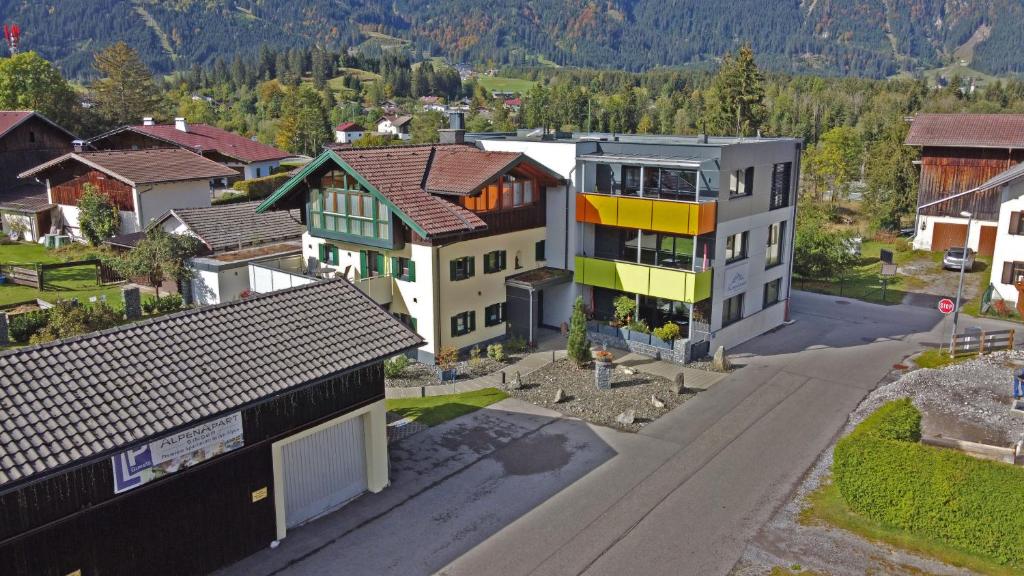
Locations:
column 470, row 266
column 362, row 263
column 472, row 320
column 323, row 252
column 455, row 325
column 539, row 251
column 334, row 255
column 501, row 312
column 412, row 271
column 396, row 269
column 380, row 264
column 451, row 264
column 412, row 322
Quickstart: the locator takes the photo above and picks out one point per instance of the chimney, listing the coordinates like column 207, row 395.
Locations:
column 148, row 121
column 456, row 121
column 180, row 124
column 79, row 145
column 451, row 136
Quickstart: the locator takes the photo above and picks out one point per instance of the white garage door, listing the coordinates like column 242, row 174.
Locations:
column 324, row 470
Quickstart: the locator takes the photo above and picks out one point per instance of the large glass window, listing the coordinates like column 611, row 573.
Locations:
column 630, row 180
column 773, row 252
column 781, row 182
column 659, row 311
column 343, row 206
column 736, row 247
column 667, row 251
column 613, row 243
column 670, row 183
column 771, row 292
column 494, row 314
column 741, row 182
column 463, row 323
column 506, row 193
column 732, row 309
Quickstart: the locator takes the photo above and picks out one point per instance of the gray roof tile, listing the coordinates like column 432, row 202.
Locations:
column 53, row 412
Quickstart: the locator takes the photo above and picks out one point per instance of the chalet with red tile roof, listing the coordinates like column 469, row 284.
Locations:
column 396, row 126
column 960, row 154
column 431, row 233
column 348, row 132
column 248, row 158
column 143, row 184
column 27, row 139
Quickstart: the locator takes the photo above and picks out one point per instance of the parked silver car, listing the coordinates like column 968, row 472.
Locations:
column 954, row 258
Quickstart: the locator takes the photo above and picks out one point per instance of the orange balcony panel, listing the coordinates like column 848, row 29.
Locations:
column 597, row 209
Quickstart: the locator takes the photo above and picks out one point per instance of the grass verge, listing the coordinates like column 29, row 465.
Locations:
column 433, row 410
column 62, row 283
column 938, row 358
column 826, row 505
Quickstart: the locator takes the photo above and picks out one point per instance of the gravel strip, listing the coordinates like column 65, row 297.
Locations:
column 585, row 401
column 419, row 374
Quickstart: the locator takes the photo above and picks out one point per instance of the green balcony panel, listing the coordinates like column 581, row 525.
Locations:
column 679, row 285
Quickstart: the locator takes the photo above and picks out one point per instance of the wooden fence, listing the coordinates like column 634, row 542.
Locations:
column 23, row 275
column 982, row 342
column 34, row 275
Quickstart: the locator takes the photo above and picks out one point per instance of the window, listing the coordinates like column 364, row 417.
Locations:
column 670, row 183
column 666, row 250
column 1016, row 224
column 538, row 251
column 462, row 268
column 342, row 206
column 494, row 314
column 630, row 180
column 1013, row 272
column 258, row 173
column 329, row 254
column 613, row 243
column 405, row 319
column 741, row 182
column 736, row 247
column 507, row 193
column 31, row 136
column 403, row 269
column 781, row 176
column 771, row 292
column 732, row 309
column 371, row 264
column 494, row 261
column 463, row 323
column 773, row 252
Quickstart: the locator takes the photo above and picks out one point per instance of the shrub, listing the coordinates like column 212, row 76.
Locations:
column 447, row 357
column 577, row 346
column 98, row 217
column 1001, row 308
column 639, row 325
column 496, row 352
column 23, row 326
column 163, row 304
column 67, row 319
column 667, row 333
column 230, row 198
column 902, row 245
column 624, row 307
column 395, row 367
column 259, row 188
column 515, row 345
column 970, row 504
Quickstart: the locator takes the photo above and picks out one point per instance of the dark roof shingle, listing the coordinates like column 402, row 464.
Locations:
column 231, row 225
column 967, row 130
column 91, row 395
column 149, row 166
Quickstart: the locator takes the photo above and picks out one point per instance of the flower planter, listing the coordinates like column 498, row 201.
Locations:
column 659, row 343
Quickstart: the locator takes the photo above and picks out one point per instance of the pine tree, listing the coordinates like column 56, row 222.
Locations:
column 126, row 92
column 736, row 96
column 578, row 347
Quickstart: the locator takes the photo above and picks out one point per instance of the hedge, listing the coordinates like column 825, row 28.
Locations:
column 230, row 198
column 260, row 188
column 974, row 505
column 21, row 327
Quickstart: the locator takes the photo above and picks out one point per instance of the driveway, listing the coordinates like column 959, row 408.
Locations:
column 514, row 489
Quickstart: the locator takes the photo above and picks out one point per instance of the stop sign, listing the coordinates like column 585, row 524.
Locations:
column 945, row 305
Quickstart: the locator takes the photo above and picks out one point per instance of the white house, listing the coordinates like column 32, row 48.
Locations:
column 142, row 184
column 348, row 132
column 1008, row 259
column 397, row 126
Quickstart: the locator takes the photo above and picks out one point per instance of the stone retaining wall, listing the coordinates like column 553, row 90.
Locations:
column 678, row 354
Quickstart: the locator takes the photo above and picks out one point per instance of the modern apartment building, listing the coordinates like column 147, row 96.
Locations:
column 699, row 231
column 448, row 238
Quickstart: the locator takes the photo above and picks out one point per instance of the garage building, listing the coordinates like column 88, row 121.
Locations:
column 183, row 443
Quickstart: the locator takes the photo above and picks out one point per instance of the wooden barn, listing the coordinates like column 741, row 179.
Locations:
column 960, row 153
column 177, row 445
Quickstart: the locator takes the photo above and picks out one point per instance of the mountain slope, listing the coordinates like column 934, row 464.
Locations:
column 862, row 37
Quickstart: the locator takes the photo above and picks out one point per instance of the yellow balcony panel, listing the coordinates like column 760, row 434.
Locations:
column 671, row 284
column 672, row 217
column 635, row 213
column 632, row 278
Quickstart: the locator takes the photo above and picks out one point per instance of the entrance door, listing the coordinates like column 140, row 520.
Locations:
column 946, row 235
column 323, row 470
column 987, row 241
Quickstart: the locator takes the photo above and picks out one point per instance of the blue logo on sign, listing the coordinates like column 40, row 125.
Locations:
column 129, row 466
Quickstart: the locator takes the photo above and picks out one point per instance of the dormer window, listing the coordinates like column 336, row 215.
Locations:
column 506, row 193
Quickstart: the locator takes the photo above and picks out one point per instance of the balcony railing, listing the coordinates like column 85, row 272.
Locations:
column 379, row 288
column 678, row 285
column 654, row 214
column 279, row 273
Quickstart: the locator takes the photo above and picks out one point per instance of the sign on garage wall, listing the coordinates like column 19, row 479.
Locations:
column 167, row 455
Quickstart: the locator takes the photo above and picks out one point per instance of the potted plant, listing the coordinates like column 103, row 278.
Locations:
column 602, row 356
column 624, row 307
column 666, row 335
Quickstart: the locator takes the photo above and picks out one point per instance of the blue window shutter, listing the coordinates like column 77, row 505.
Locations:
column 412, row 271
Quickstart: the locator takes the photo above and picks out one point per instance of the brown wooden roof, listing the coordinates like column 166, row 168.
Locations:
column 967, row 130
column 150, row 166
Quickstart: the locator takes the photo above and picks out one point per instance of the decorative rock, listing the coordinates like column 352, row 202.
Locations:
column 720, row 362
column 517, row 382
column 559, row 396
column 628, row 371
column 627, row 417
column 132, row 302
column 656, row 402
column 677, row 385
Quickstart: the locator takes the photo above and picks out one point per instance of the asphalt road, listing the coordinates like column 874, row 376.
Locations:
column 515, row 489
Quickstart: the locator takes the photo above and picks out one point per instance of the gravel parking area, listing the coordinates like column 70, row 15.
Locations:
column 585, row 401
column 969, row 401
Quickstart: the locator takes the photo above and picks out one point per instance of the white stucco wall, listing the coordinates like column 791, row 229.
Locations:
column 346, row 137
column 265, row 169
column 1009, row 247
column 69, row 216
column 155, row 199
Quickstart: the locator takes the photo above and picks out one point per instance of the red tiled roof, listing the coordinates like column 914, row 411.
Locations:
column 10, row 119
column 454, row 171
column 349, row 127
column 514, row 102
column 203, row 137
column 967, row 130
column 143, row 166
column 399, row 172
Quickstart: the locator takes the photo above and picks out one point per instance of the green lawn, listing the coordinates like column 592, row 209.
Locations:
column 433, row 410
column 826, row 505
column 863, row 281
column 63, row 283
column 503, row 84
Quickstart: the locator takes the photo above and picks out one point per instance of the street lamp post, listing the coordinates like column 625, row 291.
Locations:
column 960, row 287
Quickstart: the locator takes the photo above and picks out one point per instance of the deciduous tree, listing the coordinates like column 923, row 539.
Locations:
column 158, row 256
column 29, row 82
column 98, row 217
